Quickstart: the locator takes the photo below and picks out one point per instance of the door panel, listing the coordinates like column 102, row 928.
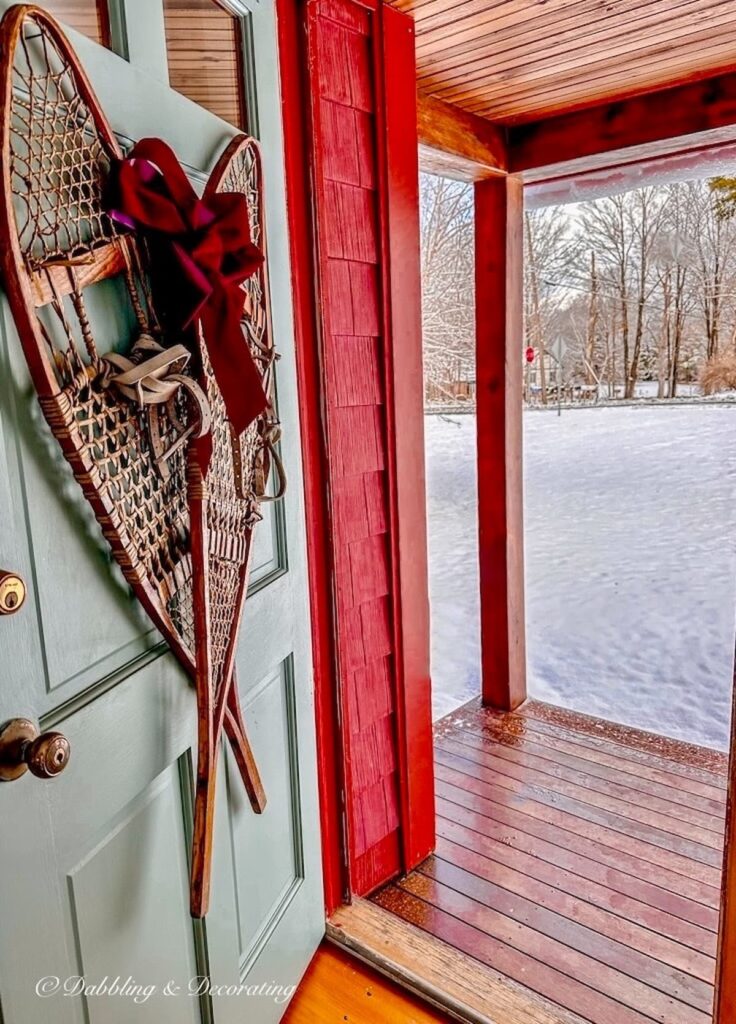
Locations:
column 94, row 863
column 153, row 934
column 270, row 707
column 115, row 896
column 269, row 549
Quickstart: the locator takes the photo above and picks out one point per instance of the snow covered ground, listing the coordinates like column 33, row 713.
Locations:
column 648, row 389
column 630, row 564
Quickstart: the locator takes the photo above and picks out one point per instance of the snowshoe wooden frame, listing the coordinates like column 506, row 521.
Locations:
column 224, row 507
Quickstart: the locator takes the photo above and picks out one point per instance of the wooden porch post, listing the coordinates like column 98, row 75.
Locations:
column 499, row 214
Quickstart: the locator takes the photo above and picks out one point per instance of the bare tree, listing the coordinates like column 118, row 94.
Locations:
column 532, row 302
column 591, row 334
column 640, row 285
column 713, row 244
column 551, row 249
column 448, row 303
column 622, row 229
column 674, row 258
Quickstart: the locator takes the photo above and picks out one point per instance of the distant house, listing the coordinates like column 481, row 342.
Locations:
column 450, row 382
column 533, row 371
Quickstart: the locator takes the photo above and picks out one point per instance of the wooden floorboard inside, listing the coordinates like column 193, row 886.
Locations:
column 581, row 860
column 338, row 988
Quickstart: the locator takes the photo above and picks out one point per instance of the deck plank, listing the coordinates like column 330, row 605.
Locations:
column 589, row 790
column 700, row 809
column 613, row 956
column 535, row 839
column 535, row 974
column 641, row 764
column 444, row 976
column 628, row 852
column 599, row 919
column 630, row 747
column 662, row 830
column 525, row 942
column 579, row 859
column 591, row 890
column 627, row 739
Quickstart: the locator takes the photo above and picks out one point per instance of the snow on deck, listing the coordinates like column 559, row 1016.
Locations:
column 630, row 564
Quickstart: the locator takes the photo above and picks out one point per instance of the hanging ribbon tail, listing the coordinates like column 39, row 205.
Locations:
column 239, row 380
column 211, row 254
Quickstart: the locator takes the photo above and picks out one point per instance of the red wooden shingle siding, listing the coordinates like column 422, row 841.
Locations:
column 348, row 254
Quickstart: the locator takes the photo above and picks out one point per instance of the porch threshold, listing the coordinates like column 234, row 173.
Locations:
column 442, row 976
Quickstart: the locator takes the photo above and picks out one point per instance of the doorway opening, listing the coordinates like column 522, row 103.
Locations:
column 580, row 838
column 630, row 461
column 448, row 339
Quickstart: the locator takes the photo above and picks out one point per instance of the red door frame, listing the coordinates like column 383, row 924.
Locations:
column 405, row 411
column 330, row 754
column 397, row 188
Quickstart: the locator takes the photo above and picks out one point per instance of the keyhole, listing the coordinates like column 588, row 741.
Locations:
column 11, row 600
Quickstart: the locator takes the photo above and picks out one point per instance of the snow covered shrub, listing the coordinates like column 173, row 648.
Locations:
column 719, row 374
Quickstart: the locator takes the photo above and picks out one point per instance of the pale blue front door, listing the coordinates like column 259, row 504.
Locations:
column 93, row 864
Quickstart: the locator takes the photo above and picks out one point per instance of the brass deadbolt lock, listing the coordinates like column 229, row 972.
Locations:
column 12, row 592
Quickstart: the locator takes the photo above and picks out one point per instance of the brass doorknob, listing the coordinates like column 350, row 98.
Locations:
column 22, row 748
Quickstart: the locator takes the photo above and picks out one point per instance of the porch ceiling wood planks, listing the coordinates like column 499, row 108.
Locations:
column 204, row 56
column 578, row 858
column 520, row 60
column 90, row 17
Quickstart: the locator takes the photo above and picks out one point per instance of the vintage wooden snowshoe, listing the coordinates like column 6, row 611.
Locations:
column 227, row 488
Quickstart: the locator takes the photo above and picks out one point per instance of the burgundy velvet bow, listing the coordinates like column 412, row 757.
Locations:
column 211, row 255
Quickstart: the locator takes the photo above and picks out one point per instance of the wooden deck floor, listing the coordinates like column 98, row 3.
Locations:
column 580, row 859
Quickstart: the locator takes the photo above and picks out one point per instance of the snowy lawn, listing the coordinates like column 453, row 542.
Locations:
column 630, row 564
